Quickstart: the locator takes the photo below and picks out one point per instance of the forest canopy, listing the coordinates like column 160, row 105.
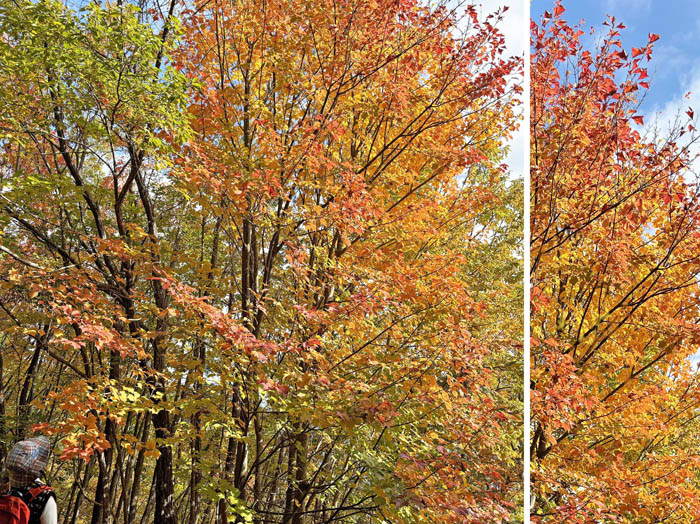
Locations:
column 261, row 261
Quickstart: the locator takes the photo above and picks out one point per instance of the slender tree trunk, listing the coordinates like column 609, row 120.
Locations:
column 79, row 496
column 196, row 474
column 138, row 471
column 289, row 497
column 201, row 353
column 164, row 489
column 101, row 509
column 257, row 482
column 25, row 393
column 222, row 510
column 300, row 488
column 3, row 428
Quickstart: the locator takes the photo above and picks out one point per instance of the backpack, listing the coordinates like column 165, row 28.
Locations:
column 16, row 506
column 13, row 510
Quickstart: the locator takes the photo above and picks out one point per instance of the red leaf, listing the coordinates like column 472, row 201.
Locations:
column 639, row 119
column 559, row 10
column 653, row 37
column 690, row 113
column 636, row 51
column 271, row 385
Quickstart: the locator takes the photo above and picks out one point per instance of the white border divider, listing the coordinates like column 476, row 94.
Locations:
column 526, row 273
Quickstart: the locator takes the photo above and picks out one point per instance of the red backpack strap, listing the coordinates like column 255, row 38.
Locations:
column 35, row 492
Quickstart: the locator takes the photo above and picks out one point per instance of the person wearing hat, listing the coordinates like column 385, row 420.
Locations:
column 25, row 464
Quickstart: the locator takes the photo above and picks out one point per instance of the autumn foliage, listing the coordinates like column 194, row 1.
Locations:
column 260, row 260
column 615, row 240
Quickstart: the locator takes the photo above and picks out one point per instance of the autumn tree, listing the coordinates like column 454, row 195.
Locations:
column 615, row 237
column 260, row 260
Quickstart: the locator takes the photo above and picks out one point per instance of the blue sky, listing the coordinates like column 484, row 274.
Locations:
column 516, row 30
column 675, row 65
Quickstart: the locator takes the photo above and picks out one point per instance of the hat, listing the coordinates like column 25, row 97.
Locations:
column 27, row 460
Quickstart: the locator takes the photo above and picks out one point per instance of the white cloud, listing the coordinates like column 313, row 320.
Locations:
column 515, row 24
column 695, row 359
column 670, row 61
column 690, row 97
column 673, row 113
column 515, row 27
column 665, row 117
column 618, row 5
